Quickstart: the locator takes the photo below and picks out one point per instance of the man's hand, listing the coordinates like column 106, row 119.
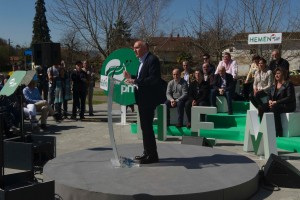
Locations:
column 272, row 103
column 221, row 91
column 128, row 80
column 254, row 92
column 194, row 103
column 173, row 103
column 126, row 75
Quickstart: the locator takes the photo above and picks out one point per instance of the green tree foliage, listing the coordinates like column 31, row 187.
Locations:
column 120, row 34
column 41, row 32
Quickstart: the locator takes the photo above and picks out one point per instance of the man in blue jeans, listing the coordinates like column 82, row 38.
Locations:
column 32, row 96
column 177, row 93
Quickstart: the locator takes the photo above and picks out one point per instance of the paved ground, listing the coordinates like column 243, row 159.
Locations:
column 93, row 132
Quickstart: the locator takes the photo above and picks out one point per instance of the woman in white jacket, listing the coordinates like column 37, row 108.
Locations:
column 263, row 80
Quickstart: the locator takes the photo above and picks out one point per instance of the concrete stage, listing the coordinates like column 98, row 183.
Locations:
column 184, row 172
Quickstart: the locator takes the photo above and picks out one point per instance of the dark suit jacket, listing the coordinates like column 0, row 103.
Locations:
column 285, row 95
column 281, row 63
column 210, row 79
column 229, row 82
column 150, row 85
column 199, row 91
column 211, row 69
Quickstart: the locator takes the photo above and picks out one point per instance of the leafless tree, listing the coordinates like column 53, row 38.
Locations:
column 150, row 13
column 266, row 16
column 72, row 45
column 94, row 19
column 211, row 27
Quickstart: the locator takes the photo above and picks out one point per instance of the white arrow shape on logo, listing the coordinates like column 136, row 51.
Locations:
column 112, row 65
column 12, row 82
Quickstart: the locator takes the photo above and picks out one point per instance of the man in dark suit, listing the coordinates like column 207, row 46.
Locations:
column 207, row 74
column 197, row 96
column 223, row 84
column 277, row 61
column 148, row 95
column 79, row 78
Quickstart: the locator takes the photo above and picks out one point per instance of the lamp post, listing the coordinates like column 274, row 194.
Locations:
column 9, row 42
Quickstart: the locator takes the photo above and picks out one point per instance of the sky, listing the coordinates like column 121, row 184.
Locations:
column 16, row 19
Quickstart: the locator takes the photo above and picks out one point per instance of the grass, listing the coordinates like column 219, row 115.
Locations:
column 98, row 102
column 99, row 93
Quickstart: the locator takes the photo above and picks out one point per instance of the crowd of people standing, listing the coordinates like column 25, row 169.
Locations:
column 49, row 92
column 60, row 84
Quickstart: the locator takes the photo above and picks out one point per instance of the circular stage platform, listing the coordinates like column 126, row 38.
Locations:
column 184, row 172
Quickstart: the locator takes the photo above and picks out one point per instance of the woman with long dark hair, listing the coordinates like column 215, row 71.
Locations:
column 282, row 99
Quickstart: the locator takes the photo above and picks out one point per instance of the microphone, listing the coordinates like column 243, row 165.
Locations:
column 113, row 72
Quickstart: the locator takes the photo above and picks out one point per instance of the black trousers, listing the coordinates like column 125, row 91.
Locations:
column 188, row 108
column 227, row 94
column 79, row 99
column 43, row 89
column 277, row 109
column 256, row 100
column 146, row 118
column 247, row 90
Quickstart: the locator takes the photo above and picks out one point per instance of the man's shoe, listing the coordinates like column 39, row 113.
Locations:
column 91, row 114
column 188, row 125
column 149, row 159
column 230, row 113
column 73, row 117
column 43, row 126
column 143, row 156
column 82, row 118
column 57, row 117
column 178, row 125
column 132, row 109
column 13, row 129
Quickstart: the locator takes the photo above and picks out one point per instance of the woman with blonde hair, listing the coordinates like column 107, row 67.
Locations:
column 247, row 86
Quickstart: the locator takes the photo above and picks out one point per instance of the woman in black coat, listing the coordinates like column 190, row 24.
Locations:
column 282, row 99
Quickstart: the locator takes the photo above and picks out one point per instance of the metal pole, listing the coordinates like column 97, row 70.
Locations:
column 8, row 50
column 1, row 149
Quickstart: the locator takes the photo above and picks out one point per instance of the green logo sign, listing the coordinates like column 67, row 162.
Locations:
column 113, row 66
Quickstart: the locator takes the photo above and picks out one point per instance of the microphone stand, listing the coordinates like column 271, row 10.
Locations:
column 117, row 161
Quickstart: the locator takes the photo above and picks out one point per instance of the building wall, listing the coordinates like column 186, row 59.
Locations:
column 242, row 54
